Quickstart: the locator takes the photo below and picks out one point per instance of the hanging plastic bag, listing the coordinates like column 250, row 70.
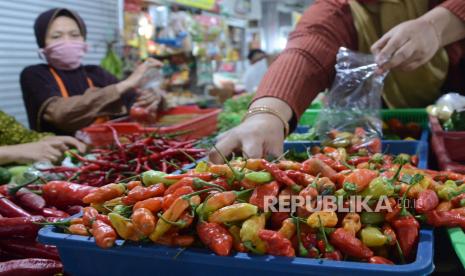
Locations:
column 350, row 117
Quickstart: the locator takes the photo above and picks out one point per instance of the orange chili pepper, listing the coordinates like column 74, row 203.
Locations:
column 153, row 204
column 144, row 221
column 78, row 229
column 104, row 234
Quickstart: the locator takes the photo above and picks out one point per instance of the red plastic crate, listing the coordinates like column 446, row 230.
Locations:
column 202, row 125
column 451, row 141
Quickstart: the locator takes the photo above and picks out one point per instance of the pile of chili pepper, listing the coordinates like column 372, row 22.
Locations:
column 22, row 211
column 130, row 156
column 223, row 207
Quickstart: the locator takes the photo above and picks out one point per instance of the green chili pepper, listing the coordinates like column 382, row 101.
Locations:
column 123, row 210
column 378, row 187
column 259, row 177
column 371, row 218
column 201, row 167
column 154, row 177
column 372, row 236
column 447, row 190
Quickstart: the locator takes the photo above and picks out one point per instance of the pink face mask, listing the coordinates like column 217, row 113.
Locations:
column 65, row 55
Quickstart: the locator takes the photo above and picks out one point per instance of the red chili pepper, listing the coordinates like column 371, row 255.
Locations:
column 89, row 215
column 132, row 184
column 169, row 199
column 277, row 219
column 76, row 209
column 300, row 178
column 390, row 234
column 278, row 174
column 104, row 235
column 27, row 267
column 203, row 176
column 30, row 200
column 144, row 221
column 142, row 193
column 379, row 260
column 20, row 227
column 62, row 194
column 186, row 181
column 276, row 244
column 258, row 195
column 105, row 193
column 458, row 201
column 11, row 210
column 354, row 161
column 153, row 204
column 426, row 201
column 361, row 178
column 216, row 237
column 51, row 212
column 315, row 166
column 335, row 255
column 30, row 249
column 445, row 218
column 350, row 245
column 407, row 230
column 103, row 218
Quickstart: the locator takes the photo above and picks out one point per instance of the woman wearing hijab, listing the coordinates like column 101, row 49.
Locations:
column 63, row 95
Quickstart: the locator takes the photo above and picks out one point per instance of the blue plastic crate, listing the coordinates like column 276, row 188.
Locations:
column 418, row 147
column 81, row 256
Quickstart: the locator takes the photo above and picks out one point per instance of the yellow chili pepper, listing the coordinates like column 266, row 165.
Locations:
column 351, row 223
column 372, row 236
column 235, row 212
column 249, row 233
column 124, row 227
column 328, row 219
column 172, row 214
column 288, row 228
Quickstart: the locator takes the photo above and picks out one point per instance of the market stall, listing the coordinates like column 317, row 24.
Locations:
column 357, row 187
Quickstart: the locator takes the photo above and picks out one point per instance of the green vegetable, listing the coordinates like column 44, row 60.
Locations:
column 259, row 177
column 372, row 237
column 154, row 177
column 371, row 218
column 378, row 187
column 234, row 110
column 5, row 176
column 112, row 62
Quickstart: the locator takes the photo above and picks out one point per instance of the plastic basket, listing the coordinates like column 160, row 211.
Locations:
column 202, row 125
column 81, row 256
column 452, row 141
column 405, row 115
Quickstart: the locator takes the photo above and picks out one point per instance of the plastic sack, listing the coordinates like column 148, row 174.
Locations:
column 351, row 114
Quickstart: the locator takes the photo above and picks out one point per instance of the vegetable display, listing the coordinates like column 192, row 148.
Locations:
column 234, row 110
column 131, row 156
column 227, row 208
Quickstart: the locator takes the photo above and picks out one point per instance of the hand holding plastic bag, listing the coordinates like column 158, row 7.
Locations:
column 351, row 113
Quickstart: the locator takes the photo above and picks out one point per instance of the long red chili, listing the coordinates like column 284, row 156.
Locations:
column 216, row 237
column 20, row 227
column 11, row 210
column 33, row 266
column 30, row 249
column 278, row 174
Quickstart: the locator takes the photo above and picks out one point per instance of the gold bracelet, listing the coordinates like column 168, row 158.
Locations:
column 264, row 109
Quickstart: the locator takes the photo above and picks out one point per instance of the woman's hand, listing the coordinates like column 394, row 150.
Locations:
column 407, row 46
column 258, row 136
column 413, row 43
column 48, row 149
column 133, row 81
column 150, row 99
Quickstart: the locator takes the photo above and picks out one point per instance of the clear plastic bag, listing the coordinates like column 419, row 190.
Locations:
column 350, row 117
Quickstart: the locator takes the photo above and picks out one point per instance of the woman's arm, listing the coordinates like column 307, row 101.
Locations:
column 305, row 68
column 73, row 113
column 413, row 43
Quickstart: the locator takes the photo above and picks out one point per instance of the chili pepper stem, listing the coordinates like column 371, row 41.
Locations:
column 401, row 254
column 249, row 246
column 302, row 250
column 237, row 175
column 188, row 196
column 199, row 183
column 328, row 247
column 14, row 190
column 179, row 223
